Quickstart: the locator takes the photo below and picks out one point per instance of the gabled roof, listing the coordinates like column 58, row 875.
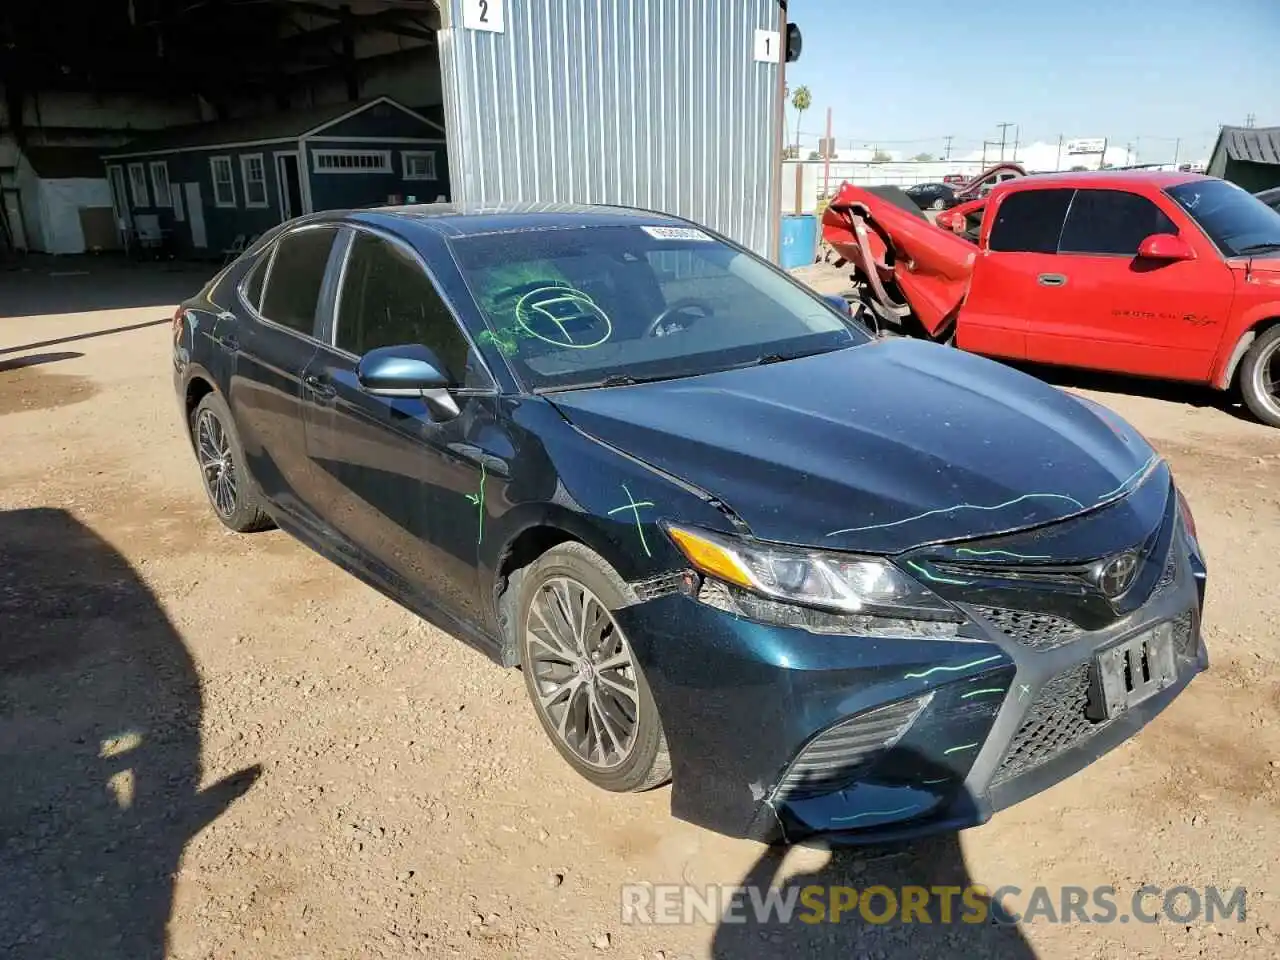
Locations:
column 1252, row 144
column 65, row 163
column 250, row 131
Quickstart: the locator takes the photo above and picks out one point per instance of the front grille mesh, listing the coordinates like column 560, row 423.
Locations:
column 835, row 758
column 1040, row 631
column 1184, row 636
column 1055, row 722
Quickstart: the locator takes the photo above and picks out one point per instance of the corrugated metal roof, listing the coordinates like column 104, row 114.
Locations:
column 1254, row 144
column 275, row 126
column 64, row 163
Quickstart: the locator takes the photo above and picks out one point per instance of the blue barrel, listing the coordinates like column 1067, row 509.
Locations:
column 799, row 240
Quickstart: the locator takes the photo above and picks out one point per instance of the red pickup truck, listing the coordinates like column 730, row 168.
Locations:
column 1168, row 275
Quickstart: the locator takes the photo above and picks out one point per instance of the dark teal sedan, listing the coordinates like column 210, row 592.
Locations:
column 824, row 582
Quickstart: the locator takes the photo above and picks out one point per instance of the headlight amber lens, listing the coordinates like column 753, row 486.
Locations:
column 830, row 581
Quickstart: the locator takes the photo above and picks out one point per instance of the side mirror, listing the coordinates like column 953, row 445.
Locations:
column 407, row 370
column 1165, row 246
column 839, row 302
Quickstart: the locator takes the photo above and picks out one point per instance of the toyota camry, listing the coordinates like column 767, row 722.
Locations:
column 823, row 582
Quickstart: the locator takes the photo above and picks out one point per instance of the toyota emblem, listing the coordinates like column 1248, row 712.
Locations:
column 1115, row 575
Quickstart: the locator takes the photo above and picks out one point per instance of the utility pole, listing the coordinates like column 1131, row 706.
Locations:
column 1249, row 120
column 1177, row 146
column 826, row 158
column 1058, row 163
column 1004, row 127
column 1017, row 138
column 947, row 154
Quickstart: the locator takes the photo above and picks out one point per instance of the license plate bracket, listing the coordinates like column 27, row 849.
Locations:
column 1132, row 672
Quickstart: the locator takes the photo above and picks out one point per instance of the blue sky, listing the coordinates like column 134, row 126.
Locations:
column 904, row 75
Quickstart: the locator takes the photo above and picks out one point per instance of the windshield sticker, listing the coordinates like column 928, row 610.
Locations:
column 676, row 233
column 551, row 308
column 634, row 507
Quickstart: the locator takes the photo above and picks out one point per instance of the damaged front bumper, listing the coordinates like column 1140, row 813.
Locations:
column 777, row 733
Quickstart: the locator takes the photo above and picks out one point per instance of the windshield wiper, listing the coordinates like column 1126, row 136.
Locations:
column 1259, row 248
column 613, row 380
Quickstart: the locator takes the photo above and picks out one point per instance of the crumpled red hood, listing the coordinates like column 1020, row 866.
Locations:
column 931, row 266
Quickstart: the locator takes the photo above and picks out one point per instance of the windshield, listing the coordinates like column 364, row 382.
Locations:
column 1238, row 223
column 579, row 306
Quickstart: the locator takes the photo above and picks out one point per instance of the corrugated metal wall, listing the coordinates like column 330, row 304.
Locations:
column 651, row 103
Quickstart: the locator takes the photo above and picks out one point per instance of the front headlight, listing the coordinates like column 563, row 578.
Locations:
column 839, row 582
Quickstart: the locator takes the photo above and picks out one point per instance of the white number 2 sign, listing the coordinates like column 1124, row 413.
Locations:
column 483, row 15
column 767, row 44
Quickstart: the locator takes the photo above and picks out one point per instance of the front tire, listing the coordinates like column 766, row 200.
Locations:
column 583, row 679
column 1260, row 377
column 939, row 204
column 231, row 491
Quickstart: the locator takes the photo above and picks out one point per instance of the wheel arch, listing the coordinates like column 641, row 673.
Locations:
column 1226, row 377
column 527, row 540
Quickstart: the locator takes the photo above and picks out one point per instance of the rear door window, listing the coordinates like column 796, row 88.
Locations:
column 1111, row 222
column 1030, row 221
column 297, row 274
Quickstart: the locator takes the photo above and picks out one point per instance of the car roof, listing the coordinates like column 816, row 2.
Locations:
column 1083, row 179
column 465, row 220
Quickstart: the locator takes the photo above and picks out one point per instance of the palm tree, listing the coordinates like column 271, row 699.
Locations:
column 802, row 100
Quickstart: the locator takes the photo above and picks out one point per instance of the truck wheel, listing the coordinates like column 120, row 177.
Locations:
column 1260, row 377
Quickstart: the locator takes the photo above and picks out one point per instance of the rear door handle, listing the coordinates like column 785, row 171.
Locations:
column 1051, row 280
column 321, row 388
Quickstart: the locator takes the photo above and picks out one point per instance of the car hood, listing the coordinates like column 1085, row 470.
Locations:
column 878, row 448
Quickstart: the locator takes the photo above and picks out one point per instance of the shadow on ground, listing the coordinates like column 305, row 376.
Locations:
column 99, row 748
column 1170, row 391
column 38, row 285
column 934, row 863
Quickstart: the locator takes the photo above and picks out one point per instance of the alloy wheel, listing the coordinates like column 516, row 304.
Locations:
column 1266, row 377
column 213, row 450
column 583, row 673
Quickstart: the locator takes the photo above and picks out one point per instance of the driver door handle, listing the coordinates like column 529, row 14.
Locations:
column 1051, row 280
column 321, row 388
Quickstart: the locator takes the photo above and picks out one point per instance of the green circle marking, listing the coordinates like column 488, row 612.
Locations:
column 563, row 294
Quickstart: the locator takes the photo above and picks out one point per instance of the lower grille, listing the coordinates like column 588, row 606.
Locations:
column 839, row 755
column 1184, row 636
column 1040, row 631
column 1054, row 723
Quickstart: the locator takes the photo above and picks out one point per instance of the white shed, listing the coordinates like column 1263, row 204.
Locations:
column 64, row 199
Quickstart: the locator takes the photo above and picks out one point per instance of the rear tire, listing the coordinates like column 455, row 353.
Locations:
column 227, row 483
column 1260, row 377
column 583, row 679
column 939, row 204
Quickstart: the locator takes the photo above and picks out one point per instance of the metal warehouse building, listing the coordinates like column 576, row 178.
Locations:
column 214, row 121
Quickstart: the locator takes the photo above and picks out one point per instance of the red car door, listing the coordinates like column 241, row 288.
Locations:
column 1017, row 251
column 1124, row 313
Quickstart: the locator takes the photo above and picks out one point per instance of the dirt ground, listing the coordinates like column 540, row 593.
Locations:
column 219, row 746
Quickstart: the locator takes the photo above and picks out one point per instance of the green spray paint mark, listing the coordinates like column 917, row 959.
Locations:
column 927, row 783
column 1136, row 477
column 634, row 507
column 876, row 813
column 955, row 669
column 478, row 500
column 978, row 693
column 963, row 746
column 935, row 579
column 1000, row 553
